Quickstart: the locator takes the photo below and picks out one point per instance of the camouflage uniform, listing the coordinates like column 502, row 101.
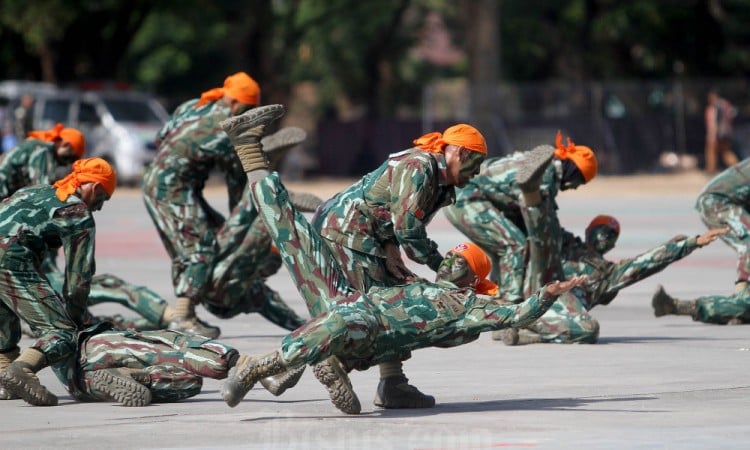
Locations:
column 367, row 328
column 487, row 210
column 191, row 145
column 32, row 162
column 724, row 203
column 569, row 321
column 241, row 265
column 32, row 221
column 175, row 362
column 393, row 203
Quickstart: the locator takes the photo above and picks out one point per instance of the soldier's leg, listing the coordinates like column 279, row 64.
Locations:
column 567, row 322
column 30, row 296
column 108, row 288
column 348, row 329
column 717, row 212
column 10, row 335
column 162, row 383
column 501, row 238
column 719, row 309
column 189, row 241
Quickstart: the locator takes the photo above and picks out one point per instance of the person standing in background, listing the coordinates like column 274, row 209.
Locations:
column 719, row 116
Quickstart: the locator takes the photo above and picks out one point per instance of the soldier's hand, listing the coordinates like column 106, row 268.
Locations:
column 271, row 264
column 395, row 264
column 558, row 287
column 711, row 235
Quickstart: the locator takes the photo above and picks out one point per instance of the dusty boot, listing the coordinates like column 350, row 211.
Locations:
column 5, row 360
column 122, row 385
column 284, row 139
column 532, row 166
column 394, row 390
column 304, row 201
column 509, row 336
column 685, row 307
column 333, row 376
column 245, row 132
column 247, row 372
column 278, row 384
column 182, row 318
column 20, row 379
column 662, row 302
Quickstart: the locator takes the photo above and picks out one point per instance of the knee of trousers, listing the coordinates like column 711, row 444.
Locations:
column 586, row 331
column 359, row 327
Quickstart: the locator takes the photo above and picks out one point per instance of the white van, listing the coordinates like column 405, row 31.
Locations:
column 120, row 126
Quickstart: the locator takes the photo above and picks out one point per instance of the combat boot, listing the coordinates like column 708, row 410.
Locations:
column 245, row 132
column 182, row 318
column 304, row 201
column 5, row 360
column 122, row 385
column 278, row 384
column 662, row 302
column 394, row 390
column 530, row 171
column 242, row 377
column 20, row 379
column 332, row 375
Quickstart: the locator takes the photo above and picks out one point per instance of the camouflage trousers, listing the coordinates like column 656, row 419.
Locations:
column 378, row 325
column 720, row 309
column 188, row 233
column 26, row 294
column 717, row 212
column 175, row 362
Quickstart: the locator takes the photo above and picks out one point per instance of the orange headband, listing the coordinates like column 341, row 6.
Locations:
column 70, row 135
column 240, row 87
column 461, row 135
column 582, row 156
column 603, row 219
column 480, row 264
column 91, row 170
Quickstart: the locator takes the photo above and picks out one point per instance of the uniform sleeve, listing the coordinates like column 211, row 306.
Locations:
column 414, row 187
column 629, row 271
column 78, row 235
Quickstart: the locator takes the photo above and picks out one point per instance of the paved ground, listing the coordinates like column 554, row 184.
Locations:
column 649, row 383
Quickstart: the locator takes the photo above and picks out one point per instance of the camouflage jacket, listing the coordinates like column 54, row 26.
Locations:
column 34, row 221
column 496, row 184
column 32, row 162
column 394, row 203
column 730, row 186
column 191, row 145
column 607, row 278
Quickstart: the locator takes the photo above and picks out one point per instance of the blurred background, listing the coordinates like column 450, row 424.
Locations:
column 366, row 77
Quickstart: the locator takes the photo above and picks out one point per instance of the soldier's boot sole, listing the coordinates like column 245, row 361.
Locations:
column 397, row 393
column 278, row 384
column 332, row 375
column 282, row 140
column 262, row 115
column 662, row 303
column 304, row 201
column 121, row 389
column 19, row 383
column 532, row 167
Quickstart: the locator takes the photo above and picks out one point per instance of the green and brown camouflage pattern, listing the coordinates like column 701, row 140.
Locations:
column 192, row 145
column 176, row 362
column 384, row 322
column 31, row 162
column 720, row 309
column 488, row 212
column 724, row 202
column 32, row 222
column 393, row 203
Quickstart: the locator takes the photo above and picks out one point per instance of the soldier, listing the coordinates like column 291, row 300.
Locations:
column 723, row 202
column 487, row 209
column 33, row 220
column 364, row 328
column 389, row 209
column 191, row 144
column 568, row 320
column 135, row 368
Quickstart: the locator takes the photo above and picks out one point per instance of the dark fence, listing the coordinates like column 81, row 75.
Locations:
column 629, row 124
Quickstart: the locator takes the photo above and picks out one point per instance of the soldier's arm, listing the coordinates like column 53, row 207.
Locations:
column 414, row 187
column 78, row 236
column 631, row 270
